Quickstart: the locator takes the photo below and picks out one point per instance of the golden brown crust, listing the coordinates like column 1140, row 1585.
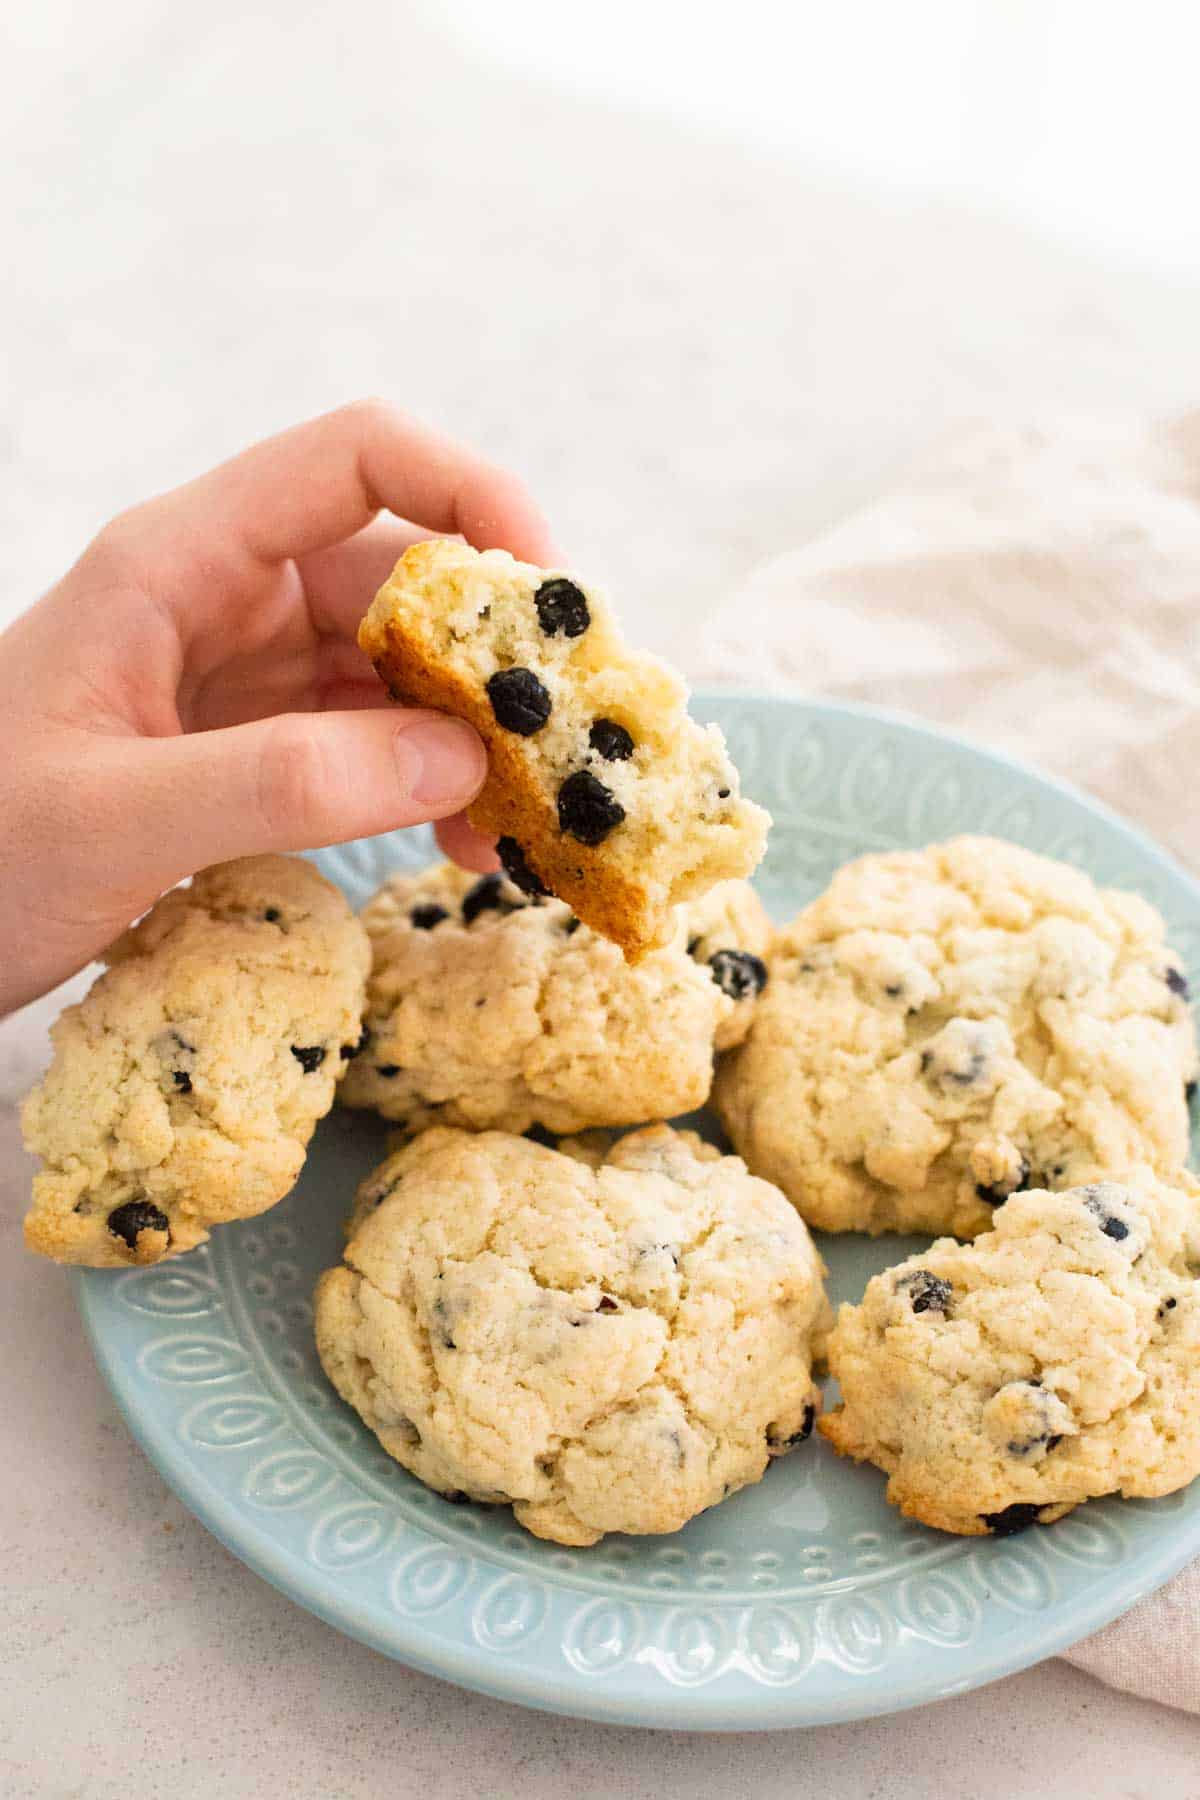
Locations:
column 517, row 1014
column 60, row 1237
column 510, row 804
column 843, row 1093
column 926, row 1509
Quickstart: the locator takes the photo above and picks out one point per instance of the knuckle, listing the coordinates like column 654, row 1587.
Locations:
column 298, row 787
column 371, row 413
column 507, row 487
column 115, row 546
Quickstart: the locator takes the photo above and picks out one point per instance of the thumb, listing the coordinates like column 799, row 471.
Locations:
column 294, row 782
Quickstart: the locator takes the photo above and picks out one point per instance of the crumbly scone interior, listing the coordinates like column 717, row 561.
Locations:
column 685, row 825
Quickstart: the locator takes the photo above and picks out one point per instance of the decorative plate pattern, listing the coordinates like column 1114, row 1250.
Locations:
column 803, row 1600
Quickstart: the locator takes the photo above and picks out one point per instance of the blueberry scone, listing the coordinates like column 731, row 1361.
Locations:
column 1055, row 1359
column 945, row 1027
column 603, row 1349
column 600, row 787
column 489, row 1007
column 186, row 1084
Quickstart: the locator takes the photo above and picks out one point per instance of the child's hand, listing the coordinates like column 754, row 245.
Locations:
column 191, row 690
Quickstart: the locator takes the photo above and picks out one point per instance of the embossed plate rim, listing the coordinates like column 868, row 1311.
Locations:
column 916, row 1665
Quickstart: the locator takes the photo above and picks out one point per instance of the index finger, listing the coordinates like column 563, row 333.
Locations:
column 320, row 482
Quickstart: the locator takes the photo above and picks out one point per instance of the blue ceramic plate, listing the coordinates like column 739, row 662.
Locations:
column 803, row 1600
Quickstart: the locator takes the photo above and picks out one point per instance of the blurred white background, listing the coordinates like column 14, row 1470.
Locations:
column 1078, row 116
column 703, row 275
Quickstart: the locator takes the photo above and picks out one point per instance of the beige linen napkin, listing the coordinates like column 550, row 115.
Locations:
column 1039, row 590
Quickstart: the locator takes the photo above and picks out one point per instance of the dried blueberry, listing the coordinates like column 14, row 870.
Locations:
column 997, row 1195
column 571, row 926
column 134, row 1217
column 441, row 1313
column 1027, row 1446
column 964, row 1073
column 610, row 740
column 487, row 895
column 1013, row 1519
column 348, row 1051
column 927, row 1292
column 561, row 606
column 974, row 1069
column 309, row 1056
column 1109, row 1223
column 519, row 700
column 671, row 1250
column 174, row 1048
column 587, row 809
column 517, row 868
column 1167, row 1306
column 1177, row 981
column 738, row 973
column 777, row 1446
column 1038, row 1413
column 427, row 915
column 606, row 1303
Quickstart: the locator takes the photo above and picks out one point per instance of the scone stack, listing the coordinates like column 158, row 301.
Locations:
column 615, row 1332
column 607, row 1334
column 978, row 1041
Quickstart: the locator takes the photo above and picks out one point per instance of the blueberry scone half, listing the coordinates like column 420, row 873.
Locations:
column 600, row 788
column 1053, row 1360
column 948, row 1026
column 604, row 1349
column 186, row 1084
column 488, row 1007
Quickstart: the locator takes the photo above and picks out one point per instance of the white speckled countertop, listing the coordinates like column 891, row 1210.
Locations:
column 225, row 221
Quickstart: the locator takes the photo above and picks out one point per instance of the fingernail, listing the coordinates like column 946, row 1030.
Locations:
column 441, row 761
